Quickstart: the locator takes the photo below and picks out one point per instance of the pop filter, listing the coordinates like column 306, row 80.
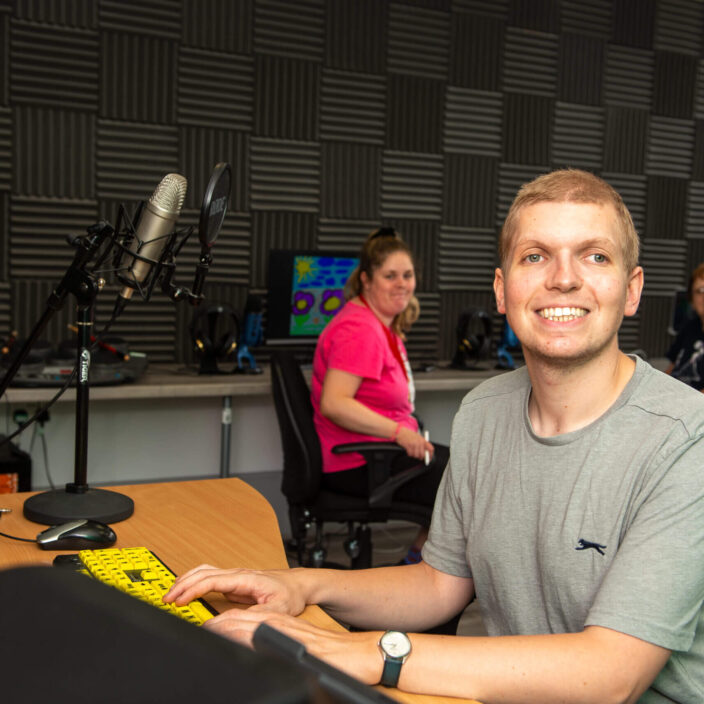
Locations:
column 212, row 215
column 214, row 208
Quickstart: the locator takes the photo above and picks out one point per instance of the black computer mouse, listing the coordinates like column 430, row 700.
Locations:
column 81, row 534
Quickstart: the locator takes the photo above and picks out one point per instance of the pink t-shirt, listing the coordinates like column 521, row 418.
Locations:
column 354, row 341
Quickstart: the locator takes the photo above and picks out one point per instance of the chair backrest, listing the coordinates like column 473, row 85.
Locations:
column 299, row 438
column 682, row 311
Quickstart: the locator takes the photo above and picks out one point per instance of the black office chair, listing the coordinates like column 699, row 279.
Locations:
column 312, row 506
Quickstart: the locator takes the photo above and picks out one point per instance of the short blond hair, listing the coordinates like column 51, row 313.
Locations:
column 571, row 186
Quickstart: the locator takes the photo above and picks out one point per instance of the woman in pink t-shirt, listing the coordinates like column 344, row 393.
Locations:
column 362, row 386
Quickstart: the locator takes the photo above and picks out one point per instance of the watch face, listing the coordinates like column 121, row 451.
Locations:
column 395, row 644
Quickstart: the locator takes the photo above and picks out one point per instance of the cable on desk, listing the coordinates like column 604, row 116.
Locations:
column 14, row 537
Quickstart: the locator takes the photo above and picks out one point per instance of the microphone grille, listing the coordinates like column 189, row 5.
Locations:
column 170, row 193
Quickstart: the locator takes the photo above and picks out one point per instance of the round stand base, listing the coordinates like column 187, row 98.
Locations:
column 60, row 506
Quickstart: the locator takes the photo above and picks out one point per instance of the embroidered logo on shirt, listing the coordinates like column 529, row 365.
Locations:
column 585, row 544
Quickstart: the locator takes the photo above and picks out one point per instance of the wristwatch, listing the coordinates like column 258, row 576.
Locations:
column 395, row 648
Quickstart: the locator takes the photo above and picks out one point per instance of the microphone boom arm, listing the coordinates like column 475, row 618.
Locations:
column 77, row 500
column 75, row 281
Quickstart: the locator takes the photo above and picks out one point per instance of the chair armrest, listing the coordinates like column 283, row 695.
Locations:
column 379, row 457
column 369, row 446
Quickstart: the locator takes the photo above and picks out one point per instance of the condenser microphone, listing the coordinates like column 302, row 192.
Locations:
column 155, row 224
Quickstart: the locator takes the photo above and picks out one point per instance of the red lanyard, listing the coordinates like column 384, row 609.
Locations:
column 391, row 338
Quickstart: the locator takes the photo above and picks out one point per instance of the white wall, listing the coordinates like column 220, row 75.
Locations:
column 165, row 439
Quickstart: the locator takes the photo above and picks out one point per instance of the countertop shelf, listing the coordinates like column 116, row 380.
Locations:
column 176, row 381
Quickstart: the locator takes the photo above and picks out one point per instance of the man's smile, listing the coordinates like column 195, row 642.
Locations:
column 562, row 315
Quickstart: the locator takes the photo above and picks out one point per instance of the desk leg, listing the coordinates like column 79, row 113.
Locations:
column 225, row 432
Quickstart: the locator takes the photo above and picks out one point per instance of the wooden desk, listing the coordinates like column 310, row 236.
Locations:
column 224, row 522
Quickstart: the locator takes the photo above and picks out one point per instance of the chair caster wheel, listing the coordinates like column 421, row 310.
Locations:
column 317, row 557
column 352, row 547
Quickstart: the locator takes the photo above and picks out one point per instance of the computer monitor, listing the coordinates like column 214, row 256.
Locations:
column 69, row 638
column 305, row 291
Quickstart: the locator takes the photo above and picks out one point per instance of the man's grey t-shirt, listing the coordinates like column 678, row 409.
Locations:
column 601, row 526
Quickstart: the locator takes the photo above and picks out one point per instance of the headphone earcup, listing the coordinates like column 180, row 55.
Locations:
column 203, row 345
column 473, row 343
column 227, row 344
column 473, row 334
column 200, row 337
column 202, row 341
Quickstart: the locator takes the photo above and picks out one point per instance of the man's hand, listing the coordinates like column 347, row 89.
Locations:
column 270, row 590
column 357, row 654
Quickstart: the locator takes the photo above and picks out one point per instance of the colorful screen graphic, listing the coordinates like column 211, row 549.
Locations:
column 317, row 291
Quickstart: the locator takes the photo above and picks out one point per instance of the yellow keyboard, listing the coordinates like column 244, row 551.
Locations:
column 139, row 572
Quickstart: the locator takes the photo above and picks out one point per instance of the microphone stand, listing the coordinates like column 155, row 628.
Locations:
column 78, row 499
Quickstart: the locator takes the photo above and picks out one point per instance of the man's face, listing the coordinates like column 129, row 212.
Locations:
column 564, row 288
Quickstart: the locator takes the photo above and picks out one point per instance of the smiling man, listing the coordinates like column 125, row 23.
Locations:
column 572, row 506
column 568, row 276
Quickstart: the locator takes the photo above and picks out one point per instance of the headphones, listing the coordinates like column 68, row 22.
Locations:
column 473, row 338
column 215, row 330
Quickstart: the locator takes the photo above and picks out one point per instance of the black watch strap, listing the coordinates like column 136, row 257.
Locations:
column 391, row 672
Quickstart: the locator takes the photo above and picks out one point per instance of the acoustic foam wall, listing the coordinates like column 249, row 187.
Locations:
column 219, row 26
column 339, row 116
column 576, row 52
column 473, row 122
